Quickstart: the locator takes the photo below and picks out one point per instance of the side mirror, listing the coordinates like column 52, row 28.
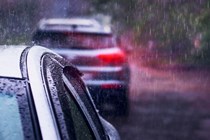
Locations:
column 110, row 130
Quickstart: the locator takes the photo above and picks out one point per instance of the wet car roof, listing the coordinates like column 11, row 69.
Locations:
column 72, row 21
column 10, row 61
column 74, row 24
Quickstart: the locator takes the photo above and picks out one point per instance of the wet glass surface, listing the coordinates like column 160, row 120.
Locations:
column 15, row 120
column 77, row 41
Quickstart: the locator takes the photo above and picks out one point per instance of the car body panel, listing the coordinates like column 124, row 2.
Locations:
column 10, row 61
column 41, row 102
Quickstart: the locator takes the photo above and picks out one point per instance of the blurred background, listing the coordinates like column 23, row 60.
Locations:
column 178, row 28
column 168, row 46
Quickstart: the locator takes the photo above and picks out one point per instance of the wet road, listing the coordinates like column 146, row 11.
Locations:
column 167, row 104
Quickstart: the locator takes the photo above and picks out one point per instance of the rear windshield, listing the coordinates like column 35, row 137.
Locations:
column 74, row 40
column 15, row 121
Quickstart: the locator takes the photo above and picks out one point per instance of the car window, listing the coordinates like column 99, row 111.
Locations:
column 15, row 118
column 74, row 40
column 70, row 118
column 83, row 94
column 82, row 130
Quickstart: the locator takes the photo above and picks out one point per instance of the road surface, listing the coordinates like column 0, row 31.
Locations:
column 167, row 104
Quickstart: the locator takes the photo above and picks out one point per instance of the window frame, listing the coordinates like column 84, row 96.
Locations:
column 55, row 59
column 31, row 121
column 59, row 121
column 82, row 108
column 84, row 104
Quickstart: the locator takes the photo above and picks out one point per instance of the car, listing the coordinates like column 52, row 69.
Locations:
column 42, row 96
column 92, row 47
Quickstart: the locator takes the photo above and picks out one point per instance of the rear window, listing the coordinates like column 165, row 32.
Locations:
column 15, row 120
column 74, row 40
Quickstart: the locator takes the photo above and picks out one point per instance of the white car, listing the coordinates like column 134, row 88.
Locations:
column 42, row 96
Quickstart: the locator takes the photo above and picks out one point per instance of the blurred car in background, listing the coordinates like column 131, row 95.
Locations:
column 93, row 49
column 43, row 97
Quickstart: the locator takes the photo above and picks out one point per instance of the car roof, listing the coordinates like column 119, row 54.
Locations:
column 11, row 55
column 10, row 60
column 74, row 24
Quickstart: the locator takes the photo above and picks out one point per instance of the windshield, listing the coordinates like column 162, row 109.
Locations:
column 74, row 40
column 14, row 111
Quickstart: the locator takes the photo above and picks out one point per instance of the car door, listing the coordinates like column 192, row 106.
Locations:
column 74, row 114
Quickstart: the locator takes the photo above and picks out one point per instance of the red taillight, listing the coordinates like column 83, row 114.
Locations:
column 112, row 58
column 110, row 86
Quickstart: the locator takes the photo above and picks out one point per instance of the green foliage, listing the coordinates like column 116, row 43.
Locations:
column 17, row 21
column 203, row 54
column 172, row 24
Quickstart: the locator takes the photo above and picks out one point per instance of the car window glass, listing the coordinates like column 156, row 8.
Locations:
column 83, row 93
column 82, row 130
column 10, row 113
column 15, row 120
column 74, row 41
